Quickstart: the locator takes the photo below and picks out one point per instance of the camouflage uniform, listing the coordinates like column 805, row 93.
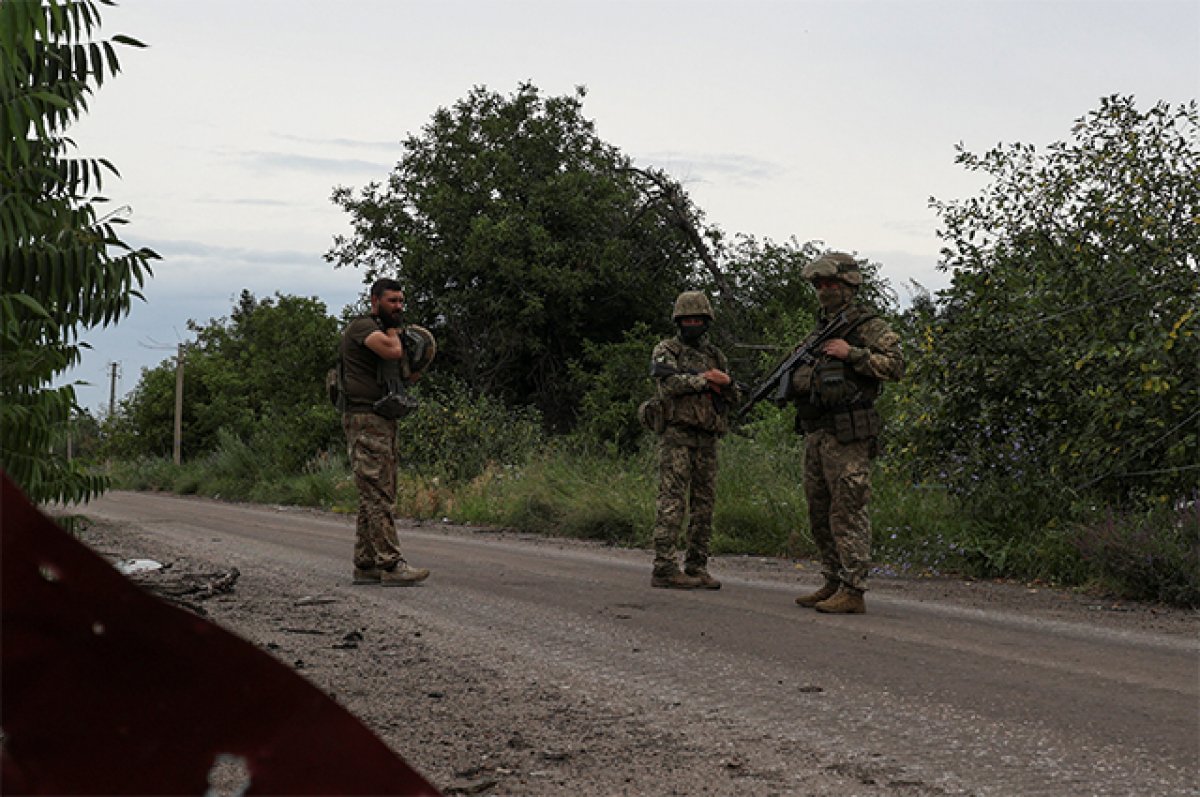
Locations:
column 687, row 464
column 835, row 411
column 371, row 445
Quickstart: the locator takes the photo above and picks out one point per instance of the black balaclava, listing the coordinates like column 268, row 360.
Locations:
column 692, row 334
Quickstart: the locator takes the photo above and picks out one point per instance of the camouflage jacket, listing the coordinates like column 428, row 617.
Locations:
column 696, row 413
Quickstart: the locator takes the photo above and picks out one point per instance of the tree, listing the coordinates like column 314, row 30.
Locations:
column 518, row 235
column 63, row 268
column 1063, row 357
column 258, row 375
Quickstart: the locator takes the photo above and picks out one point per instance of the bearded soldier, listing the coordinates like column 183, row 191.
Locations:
column 377, row 356
column 696, row 392
column 835, row 411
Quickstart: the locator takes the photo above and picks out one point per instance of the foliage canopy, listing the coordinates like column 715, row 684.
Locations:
column 63, row 268
column 258, row 375
column 1064, row 355
column 518, row 235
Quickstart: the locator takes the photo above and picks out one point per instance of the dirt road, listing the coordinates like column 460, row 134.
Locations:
column 540, row 667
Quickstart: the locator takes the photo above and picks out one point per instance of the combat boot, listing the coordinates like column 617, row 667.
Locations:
column 367, row 575
column 706, row 579
column 675, row 580
column 848, row 600
column 403, row 575
column 824, row 593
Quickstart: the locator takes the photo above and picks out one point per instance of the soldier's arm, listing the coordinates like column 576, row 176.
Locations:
column 386, row 344
column 677, row 384
column 882, row 356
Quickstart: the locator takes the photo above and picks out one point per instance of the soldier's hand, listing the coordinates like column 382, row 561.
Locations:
column 837, row 348
column 717, row 377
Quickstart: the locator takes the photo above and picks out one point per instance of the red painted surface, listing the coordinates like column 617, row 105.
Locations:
column 104, row 689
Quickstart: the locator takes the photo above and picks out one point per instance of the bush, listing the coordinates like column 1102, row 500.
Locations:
column 147, row 473
column 1152, row 556
column 457, row 436
column 617, row 379
column 325, row 482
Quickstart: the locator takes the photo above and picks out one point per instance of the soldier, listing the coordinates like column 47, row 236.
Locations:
column 372, row 357
column 697, row 394
column 835, row 410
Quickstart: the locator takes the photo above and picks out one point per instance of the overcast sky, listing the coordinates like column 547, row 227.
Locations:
column 827, row 120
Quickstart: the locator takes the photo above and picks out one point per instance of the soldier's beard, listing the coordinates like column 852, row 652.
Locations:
column 389, row 320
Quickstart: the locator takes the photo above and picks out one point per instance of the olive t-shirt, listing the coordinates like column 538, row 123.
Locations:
column 360, row 365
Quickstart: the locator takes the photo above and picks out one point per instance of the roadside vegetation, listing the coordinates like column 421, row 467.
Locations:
column 1048, row 427
column 569, row 486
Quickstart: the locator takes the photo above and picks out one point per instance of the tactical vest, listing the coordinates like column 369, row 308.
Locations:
column 831, row 394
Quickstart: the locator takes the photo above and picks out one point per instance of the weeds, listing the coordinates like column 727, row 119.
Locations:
column 473, row 461
column 1152, row 556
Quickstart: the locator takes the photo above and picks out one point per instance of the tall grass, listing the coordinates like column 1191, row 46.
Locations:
column 567, row 491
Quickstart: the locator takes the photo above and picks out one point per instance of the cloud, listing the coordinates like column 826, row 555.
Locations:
column 195, row 250
column 283, row 161
column 349, row 143
column 706, row 167
column 270, row 203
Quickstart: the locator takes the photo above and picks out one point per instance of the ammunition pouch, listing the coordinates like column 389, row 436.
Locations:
column 806, row 411
column 652, row 414
column 800, row 383
column 833, row 386
column 861, row 422
column 856, row 424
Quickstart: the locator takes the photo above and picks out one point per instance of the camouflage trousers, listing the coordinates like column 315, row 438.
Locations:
column 837, row 484
column 371, row 444
column 687, row 484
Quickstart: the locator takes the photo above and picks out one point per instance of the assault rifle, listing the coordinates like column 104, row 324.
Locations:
column 807, row 353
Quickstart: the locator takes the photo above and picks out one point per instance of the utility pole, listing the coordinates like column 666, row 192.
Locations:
column 112, row 390
column 178, row 405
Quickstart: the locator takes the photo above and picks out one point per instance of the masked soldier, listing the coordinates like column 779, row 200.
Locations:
column 377, row 356
column 835, row 411
column 696, row 393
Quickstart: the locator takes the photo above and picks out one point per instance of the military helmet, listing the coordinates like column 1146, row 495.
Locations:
column 838, row 265
column 692, row 303
column 420, row 347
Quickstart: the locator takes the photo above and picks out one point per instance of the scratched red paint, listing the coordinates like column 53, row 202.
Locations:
column 104, row 689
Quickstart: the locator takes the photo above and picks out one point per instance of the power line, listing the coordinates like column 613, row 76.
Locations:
column 1142, row 450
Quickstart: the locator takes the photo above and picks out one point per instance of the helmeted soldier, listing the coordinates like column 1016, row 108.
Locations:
column 697, row 393
column 835, row 411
